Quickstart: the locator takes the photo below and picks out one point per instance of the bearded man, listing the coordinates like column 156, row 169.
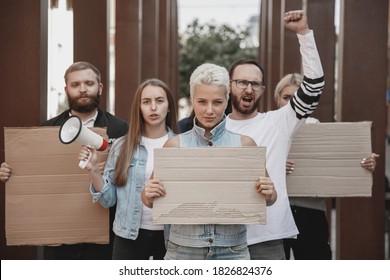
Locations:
column 83, row 88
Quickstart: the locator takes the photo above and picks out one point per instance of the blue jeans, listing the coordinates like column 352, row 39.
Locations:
column 178, row 252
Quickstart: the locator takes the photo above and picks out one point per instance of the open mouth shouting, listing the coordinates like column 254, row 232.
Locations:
column 248, row 100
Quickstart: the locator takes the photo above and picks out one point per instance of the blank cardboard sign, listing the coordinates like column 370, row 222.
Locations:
column 327, row 160
column 209, row 185
column 47, row 197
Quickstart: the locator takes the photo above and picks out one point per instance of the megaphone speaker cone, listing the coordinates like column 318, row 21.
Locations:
column 74, row 130
column 70, row 130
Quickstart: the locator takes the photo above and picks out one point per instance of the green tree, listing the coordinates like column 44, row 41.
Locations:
column 219, row 44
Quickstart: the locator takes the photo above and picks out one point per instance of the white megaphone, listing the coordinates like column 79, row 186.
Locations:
column 74, row 130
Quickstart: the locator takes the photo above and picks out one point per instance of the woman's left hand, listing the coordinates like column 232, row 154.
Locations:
column 266, row 187
column 152, row 189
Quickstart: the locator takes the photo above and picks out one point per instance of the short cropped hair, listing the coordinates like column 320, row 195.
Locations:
column 244, row 62
column 209, row 74
column 81, row 65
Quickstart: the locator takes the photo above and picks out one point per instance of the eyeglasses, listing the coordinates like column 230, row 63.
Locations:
column 243, row 84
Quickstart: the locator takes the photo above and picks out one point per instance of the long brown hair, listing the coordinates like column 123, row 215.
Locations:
column 137, row 126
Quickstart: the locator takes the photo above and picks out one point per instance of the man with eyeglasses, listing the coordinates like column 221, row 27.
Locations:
column 273, row 130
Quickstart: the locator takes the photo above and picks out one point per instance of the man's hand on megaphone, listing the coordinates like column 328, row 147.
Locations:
column 89, row 152
column 5, row 172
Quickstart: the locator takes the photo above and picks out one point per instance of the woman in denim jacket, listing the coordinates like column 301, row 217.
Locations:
column 153, row 119
column 209, row 90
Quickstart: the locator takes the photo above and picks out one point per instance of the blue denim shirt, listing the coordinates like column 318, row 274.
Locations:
column 209, row 235
column 127, row 198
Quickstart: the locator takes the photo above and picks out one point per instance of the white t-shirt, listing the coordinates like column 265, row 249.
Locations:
column 274, row 130
column 150, row 144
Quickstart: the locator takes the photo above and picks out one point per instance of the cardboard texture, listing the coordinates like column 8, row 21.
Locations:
column 327, row 160
column 47, row 197
column 210, row 185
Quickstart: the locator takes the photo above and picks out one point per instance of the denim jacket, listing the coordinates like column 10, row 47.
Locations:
column 208, row 235
column 127, row 198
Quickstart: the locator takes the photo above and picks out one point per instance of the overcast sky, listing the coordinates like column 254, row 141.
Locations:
column 232, row 12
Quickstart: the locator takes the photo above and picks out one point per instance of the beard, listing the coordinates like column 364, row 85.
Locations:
column 245, row 111
column 84, row 106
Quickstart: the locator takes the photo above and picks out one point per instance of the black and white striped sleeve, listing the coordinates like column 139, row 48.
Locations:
column 306, row 98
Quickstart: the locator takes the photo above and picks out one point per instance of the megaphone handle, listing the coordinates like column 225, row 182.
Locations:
column 83, row 163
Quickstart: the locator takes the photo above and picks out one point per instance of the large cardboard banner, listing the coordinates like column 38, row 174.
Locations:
column 210, row 185
column 327, row 160
column 47, row 199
